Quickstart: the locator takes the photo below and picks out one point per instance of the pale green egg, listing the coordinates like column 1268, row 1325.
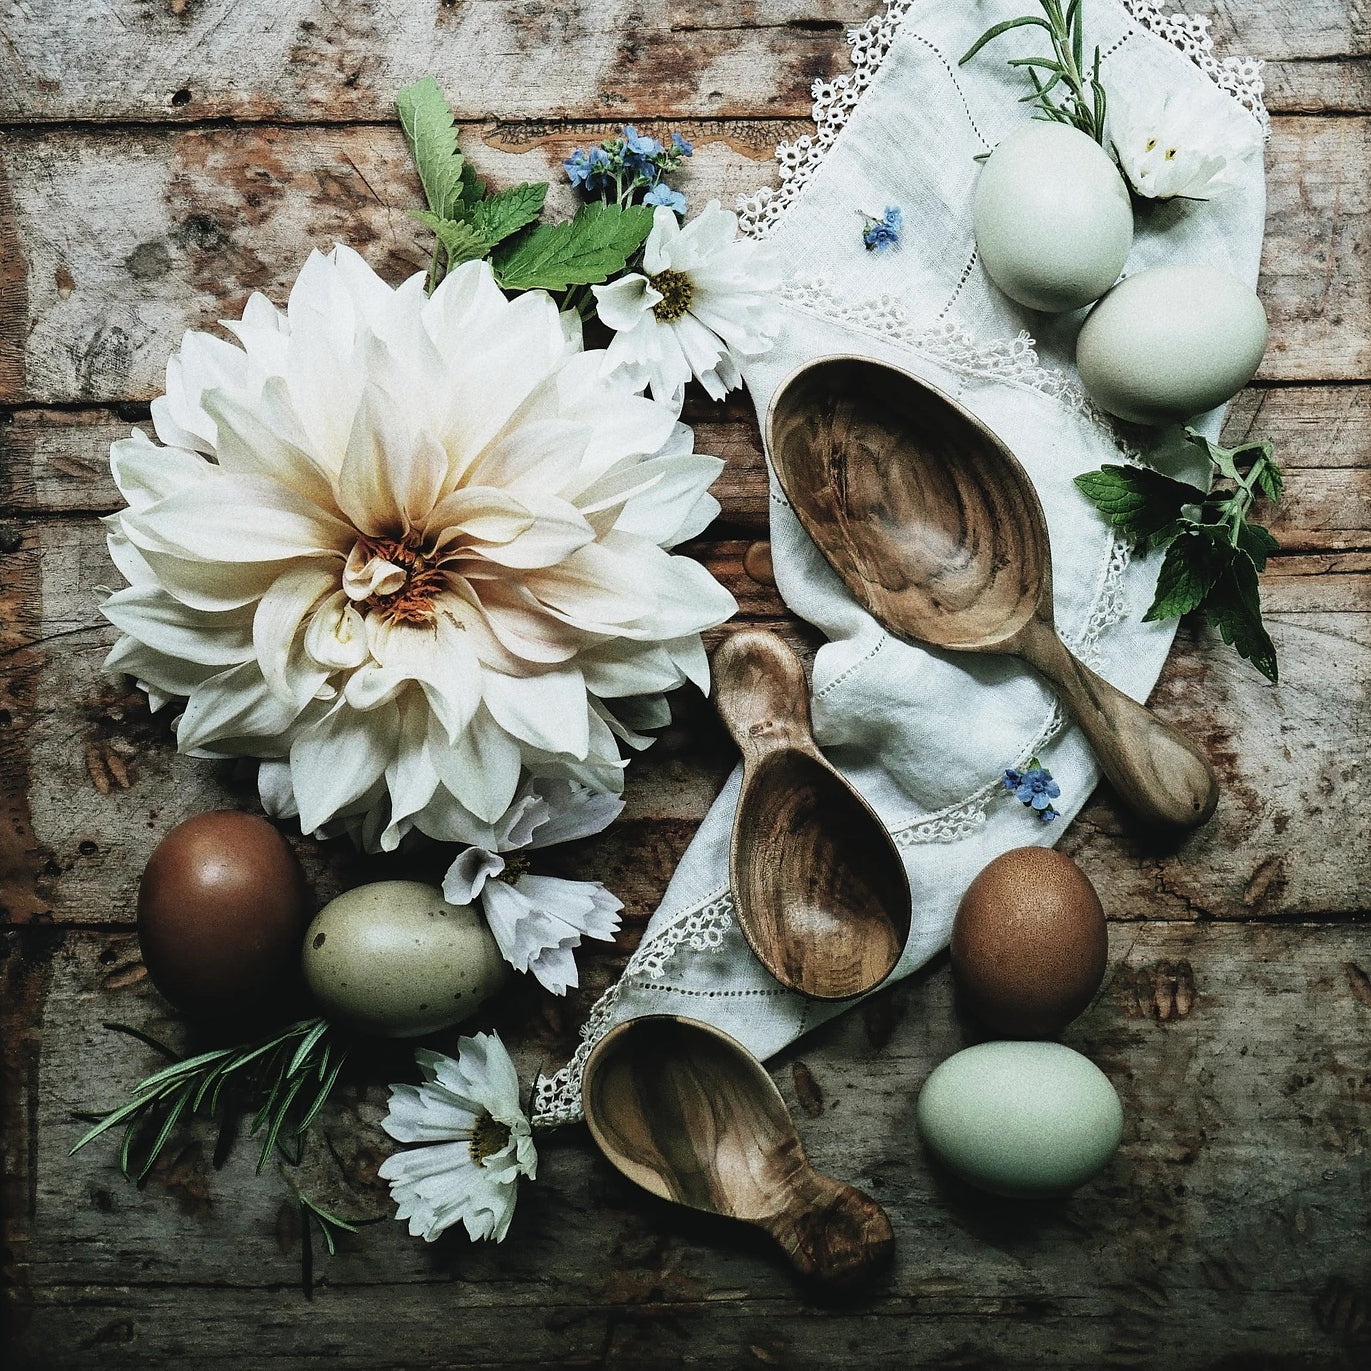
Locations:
column 1170, row 343
column 1053, row 218
column 1020, row 1118
column 394, row 958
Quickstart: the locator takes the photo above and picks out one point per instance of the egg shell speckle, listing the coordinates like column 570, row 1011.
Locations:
column 1021, row 1119
column 394, row 958
column 1052, row 217
column 1170, row 343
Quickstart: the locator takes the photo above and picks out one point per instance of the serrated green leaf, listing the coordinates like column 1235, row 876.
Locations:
column 1234, row 608
column 1269, row 479
column 461, row 242
column 584, row 251
column 509, row 211
column 1258, row 543
column 432, row 137
column 1143, row 505
column 473, row 188
column 1193, row 563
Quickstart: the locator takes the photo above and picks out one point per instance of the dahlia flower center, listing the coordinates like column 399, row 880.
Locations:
column 676, row 291
column 412, row 602
column 488, row 1136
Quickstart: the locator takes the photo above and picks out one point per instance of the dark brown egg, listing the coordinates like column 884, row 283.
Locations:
column 221, row 912
column 1029, row 943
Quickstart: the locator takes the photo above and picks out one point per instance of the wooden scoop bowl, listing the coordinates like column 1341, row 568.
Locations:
column 934, row 526
column 689, row 1114
column 819, row 889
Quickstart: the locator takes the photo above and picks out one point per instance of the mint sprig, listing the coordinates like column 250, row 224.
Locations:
column 465, row 223
column 585, row 250
column 1213, row 552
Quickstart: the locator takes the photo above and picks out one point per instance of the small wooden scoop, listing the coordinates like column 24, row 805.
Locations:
column 819, row 889
column 934, row 526
column 692, row 1116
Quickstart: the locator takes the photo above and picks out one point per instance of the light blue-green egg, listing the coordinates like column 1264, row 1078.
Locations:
column 1052, row 217
column 1170, row 343
column 1020, row 1118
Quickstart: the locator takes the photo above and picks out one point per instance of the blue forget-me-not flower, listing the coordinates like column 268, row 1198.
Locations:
column 884, row 232
column 1035, row 788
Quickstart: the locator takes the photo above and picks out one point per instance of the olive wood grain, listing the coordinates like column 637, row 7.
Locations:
column 934, row 526
column 689, row 1114
column 819, row 889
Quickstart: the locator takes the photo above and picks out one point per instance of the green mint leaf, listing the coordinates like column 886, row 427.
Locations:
column 509, row 211
column 1269, row 479
column 461, row 241
column 1192, row 565
column 1233, row 606
column 473, row 189
column 1258, row 543
column 1143, row 505
column 432, row 138
column 584, row 251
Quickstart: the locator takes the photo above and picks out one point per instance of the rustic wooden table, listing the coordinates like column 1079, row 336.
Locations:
column 162, row 158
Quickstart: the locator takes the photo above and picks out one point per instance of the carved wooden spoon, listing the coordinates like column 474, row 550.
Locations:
column 690, row 1115
column 819, row 889
column 934, row 526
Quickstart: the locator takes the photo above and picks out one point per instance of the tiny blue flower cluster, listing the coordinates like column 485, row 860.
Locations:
column 620, row 168
column 1035, row 788
column 880, row 234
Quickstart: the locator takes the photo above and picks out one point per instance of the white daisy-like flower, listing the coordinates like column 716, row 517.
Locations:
column 704, row 300
column 478, row 1142
column 408, row 550
column 539, row 921
column 1180, row 141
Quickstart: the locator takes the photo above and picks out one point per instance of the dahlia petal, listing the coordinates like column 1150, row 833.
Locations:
column 377, row 466
column 145, row 472
column 547, row 711
column 338, row 760
column 280, row 612
column 150, row 615
column 337, row 634
column 482, row 767
column 236, row 703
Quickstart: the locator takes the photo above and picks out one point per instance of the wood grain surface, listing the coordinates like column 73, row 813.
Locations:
column 159, row 160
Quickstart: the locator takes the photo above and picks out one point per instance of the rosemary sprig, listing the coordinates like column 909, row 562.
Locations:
column 286, row 1077
column 1083, row 104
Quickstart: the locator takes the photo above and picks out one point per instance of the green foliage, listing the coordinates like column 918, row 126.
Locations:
column 1082, row 97
column 1213, row 553
column 465, row 223
column 590, row 248
column 285, row 1078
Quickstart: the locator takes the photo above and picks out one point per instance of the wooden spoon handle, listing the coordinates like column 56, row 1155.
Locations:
column 761, row 693
column 1155, row 768
column 831, row 1232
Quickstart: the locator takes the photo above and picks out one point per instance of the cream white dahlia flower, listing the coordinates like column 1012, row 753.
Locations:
column 478, row 1142
column 408, row 550
column 1188, row 143
column 704, row 301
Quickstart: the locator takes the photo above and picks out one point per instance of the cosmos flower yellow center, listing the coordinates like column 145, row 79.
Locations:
column 488, row 1136
column 676, row 291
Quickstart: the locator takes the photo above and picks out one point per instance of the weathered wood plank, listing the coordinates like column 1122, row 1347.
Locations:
column 1228, row 1227
column 101, row 782
column 131, row 238
column 208, row 59
column 55, row 461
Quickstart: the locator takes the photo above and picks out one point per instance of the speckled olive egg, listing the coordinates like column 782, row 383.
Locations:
column 394, row 958
column 1020, row 1119
column 1029, row 943
column 221, row 908
column 1052, row 217
column 1170, row 343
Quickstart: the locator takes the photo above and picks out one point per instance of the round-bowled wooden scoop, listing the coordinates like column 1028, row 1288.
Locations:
column 934, row 526
column 819, row 889
column 689, row 1114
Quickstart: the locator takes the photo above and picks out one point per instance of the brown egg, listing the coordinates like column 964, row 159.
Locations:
column 1029, row 943
column 221, row 912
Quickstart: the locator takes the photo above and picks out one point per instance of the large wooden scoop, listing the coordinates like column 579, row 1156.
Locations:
column 819, row 889
column 692, row 1116
column 934, row 526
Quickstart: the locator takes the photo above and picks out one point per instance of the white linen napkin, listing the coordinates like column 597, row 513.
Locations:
column 925, row 736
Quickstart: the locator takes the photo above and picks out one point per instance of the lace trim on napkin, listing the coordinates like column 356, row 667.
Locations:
column 834, row 101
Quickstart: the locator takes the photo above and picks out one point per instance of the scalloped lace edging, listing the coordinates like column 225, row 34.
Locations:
column 834, row 101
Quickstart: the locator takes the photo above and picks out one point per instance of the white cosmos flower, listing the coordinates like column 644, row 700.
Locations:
column 539, row 921
column 478, row 1142
column 1187, row 142
column 704, row 300
column 407, row 549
